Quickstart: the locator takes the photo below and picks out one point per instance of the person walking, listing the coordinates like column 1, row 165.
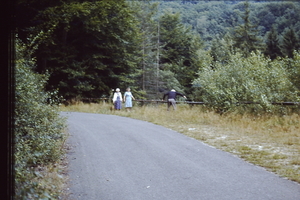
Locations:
column 117, row 99
column 172, row 98
column 128, row 99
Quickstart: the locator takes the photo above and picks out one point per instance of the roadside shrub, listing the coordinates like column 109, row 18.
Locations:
column 253, row 79
column 38, row 129
column 293, row 67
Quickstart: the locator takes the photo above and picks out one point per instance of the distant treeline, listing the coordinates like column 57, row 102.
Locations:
column 213, row 19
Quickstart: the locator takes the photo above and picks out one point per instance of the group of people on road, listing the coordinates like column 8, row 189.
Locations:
column 117, row 99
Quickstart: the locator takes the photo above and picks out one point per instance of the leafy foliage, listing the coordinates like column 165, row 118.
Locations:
column 90, row 47
column 293, row 68
column 172, row 82
column 254, row 79
column 221, row 49
column 38, row 128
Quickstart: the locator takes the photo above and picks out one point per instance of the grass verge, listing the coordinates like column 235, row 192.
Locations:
column 270, row 141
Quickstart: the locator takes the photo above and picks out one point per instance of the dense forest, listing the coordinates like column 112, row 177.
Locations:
column 88, row 48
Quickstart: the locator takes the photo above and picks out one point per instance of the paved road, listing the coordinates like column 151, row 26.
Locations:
column 118, row 158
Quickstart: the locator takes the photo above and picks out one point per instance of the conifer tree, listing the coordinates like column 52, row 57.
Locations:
column 272, row 45
column 180, row 45
column 221, row 49
column 245, row 35
column 289, row 43
column 145, row 13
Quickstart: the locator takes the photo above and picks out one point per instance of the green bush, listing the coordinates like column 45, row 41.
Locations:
column 253, row 79
column 293, row 67
column 38, row 129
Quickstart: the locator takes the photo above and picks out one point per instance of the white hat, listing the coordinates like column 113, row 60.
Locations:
column 173, row 90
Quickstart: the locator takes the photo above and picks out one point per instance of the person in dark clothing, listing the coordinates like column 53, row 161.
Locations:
column 172, row 97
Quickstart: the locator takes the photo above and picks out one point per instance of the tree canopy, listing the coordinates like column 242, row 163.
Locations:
column 90, row 47
column 86, row 47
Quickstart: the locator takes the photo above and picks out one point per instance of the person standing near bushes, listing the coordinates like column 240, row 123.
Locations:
column 128, row 99
column 172, row 98
column 117, row 99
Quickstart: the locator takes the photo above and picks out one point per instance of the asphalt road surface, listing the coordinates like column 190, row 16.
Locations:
column 118, row 158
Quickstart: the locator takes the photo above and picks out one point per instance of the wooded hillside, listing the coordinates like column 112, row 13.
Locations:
column 90, row 47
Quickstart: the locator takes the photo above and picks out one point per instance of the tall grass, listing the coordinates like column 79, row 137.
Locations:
column 270, row 141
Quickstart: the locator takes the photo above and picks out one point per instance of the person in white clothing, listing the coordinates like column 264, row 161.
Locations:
column 128, row 99
column 117, row 99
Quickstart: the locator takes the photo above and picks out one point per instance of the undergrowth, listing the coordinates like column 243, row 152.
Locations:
column 38, row 135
